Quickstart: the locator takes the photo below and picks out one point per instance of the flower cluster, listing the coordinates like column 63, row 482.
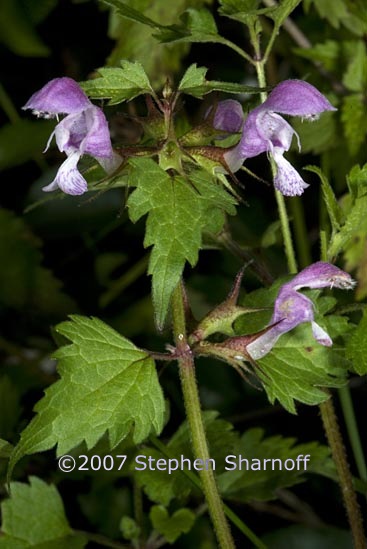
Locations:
column 83, row 131
column 266, row 131
column 292, row 308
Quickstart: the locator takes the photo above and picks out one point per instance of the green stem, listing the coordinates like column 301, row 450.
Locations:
column 300, row 232
column 335, row 441
column 351, row 423
column 236, row 48
column 286, row 231
column 195, row 421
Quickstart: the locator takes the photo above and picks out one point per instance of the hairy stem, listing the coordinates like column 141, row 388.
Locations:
column 335, row 441
column 352, row 428
column 195, row 421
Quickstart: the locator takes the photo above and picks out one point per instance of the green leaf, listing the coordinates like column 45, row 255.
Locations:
column 354, row 119
column 298, row 367
column 178, row 213
column 23, row 282
column 356, row 349
column 22, row 141
column 194, row 83
column 334, row 210
column 355, row 222
column 283, row 10
column 34, row 516
column 355, row 77
column 171, row 527
column 17, row 31
column 117, row 84
column 259, row 480
column 339, row 12
column 193, row 78
column 328, row 53
column 162, row 488
column 107, row 384
column 244, row 11
column 5, row 449
column 129, row 528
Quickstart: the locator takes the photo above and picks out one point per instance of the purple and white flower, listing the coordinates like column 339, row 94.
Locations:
column 293, row 308
column 83, row 131
column 266, row 131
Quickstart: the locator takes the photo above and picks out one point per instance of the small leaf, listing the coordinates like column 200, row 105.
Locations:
column 244, row 11
column 355, row 222
column 107, row 384
column 5, row 449
column 193, row 78
column 194, row 83
column 129, row 528
column 117, row 84
column 283, row 10
column 34, row 516
column 334, row 210
column 356, row 349
column 171, row 527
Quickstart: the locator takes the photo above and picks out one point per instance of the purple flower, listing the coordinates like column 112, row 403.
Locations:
column 265, row 131
column 292, row 308
column 83, row 131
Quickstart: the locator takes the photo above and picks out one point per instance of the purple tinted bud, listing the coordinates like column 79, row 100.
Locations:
column 292, row 308
column 59, row 96
column 83, row 131
column 228, row 116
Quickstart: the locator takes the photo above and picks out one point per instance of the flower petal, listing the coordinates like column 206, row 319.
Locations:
column 287, row 180
column 297, row 98
column 60, row 95
column 320, row 335
column 97, row 141
column 68, row 177
column 275, row 130
column 322, row 275
column 253, row 141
